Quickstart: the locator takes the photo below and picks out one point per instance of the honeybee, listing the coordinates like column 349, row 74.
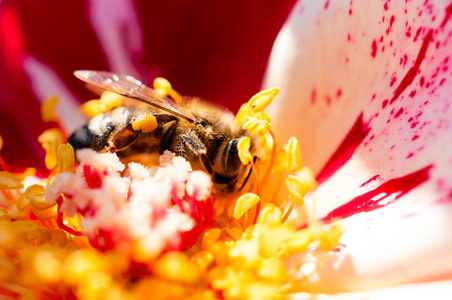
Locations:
column 197, row 130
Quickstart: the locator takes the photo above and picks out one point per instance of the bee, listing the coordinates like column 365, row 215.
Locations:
column 201, row 132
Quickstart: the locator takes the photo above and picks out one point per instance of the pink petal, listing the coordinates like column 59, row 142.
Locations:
column 118, row 29
column 370, row 85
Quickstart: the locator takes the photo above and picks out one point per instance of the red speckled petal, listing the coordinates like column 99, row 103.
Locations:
column 370, row 85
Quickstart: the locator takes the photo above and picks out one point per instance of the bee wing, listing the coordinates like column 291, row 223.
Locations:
column 130, row 87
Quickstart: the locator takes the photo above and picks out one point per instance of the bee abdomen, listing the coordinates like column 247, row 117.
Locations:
column 97, row 132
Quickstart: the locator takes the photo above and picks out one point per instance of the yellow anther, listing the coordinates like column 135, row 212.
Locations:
column 94, row 285
column 66, row 157
column 35, row 195
column 146, row 250
column 10, row 181
column 293, row 158
column 178, row 267
column 210, row 237
column 47, row 214
column 110, row 100
column 245, row 203
column 4, row 216
column 254, row 125
column 328, row 238
column 272, row 269
column 300, row 183
column 164, row 88
column 22, row 202
column 244, row 111
column 203, row 259
column 299, row 241
column 263, row 116
column 1, row 142
column 270, row 215
column 91, row 108
column 262, row 99
column 263, row 291
column 50, row 140
column 28, row 172
column 48, row 109
column 331, row 238
column 145, row 123
column 47, row 266
column 272, row 237
column 59, row 236
column 15, row 213
column 80, row 263
column 243, row 147
column 38, row 234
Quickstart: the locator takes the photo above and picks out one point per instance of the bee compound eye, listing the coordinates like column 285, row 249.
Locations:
column 202, row 122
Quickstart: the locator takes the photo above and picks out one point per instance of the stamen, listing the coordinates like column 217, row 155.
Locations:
column 108, row 101
column 66, row 157
column 60, row 220
column 243, row 147
column 35, row 195
column 48, row 109
column 164, row 88
column 255, row 126
column 244, row 204
column 289, row 210
column 300, row 183
column 4, row 216
column 10, row 181
column 50, row 139
column 293, row 158
column 262, row 99
column 244, row 112
column 3, row 164
column 272, row 158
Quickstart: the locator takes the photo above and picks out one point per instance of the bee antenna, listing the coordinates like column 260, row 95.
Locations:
column 249, row 174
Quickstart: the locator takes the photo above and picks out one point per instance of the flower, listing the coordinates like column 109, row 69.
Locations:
column 370, row 87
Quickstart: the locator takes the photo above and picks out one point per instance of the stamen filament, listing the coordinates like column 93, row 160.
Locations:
column 273, row 156
column 3, row 165
column 278, row 185
column 288, row 212
column 258, row 191
column 60, row 221
column 256, row 175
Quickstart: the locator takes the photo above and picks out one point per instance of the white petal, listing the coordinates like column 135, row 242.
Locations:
column 369, row 84
column 45, row 83
column 117, row 27
column 432, row 290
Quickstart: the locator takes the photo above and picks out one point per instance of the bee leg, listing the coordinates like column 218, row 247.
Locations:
column 197, row 150
column 127, row 135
